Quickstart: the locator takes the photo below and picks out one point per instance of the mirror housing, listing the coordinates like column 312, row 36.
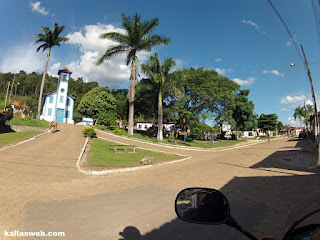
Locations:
column 202, row 206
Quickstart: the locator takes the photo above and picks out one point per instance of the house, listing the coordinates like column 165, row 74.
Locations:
column 143, row 125
column 58, row 105
column 86, row 121
column 18, row 109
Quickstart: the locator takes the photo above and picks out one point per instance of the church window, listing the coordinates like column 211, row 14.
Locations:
column 51, row 99
column 49, row 111
column 61, row 99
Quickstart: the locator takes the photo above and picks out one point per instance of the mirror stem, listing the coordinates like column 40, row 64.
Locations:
column 233, row 223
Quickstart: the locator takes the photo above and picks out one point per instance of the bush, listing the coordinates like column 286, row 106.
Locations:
column 274, row 134
column 102, row 127
column 117, row 131
column 195, row 133
column 77, row 117
column 107, row 119
column 89, row 132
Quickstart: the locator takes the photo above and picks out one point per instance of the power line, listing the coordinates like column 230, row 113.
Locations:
column 288, row 31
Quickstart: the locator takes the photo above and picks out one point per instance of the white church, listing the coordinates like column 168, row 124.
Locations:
column 58, row 105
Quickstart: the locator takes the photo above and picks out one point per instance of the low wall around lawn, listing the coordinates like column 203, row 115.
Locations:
column 19, row 128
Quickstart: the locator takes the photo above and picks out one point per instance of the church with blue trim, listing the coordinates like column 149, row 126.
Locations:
column 58, row 105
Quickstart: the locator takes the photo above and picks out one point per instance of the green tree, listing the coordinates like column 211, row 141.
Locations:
column 121, row 102
column 158, row 72
column 299, row 112
column 243, row 112
column 98, row 101
column 268, row 122
column 136, row 38
column 199, row 93
column 48, row 40
column 309, row 110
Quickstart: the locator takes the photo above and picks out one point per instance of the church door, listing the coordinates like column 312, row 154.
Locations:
column 60, row 115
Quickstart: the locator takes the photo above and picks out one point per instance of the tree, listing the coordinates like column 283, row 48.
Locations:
column 243, row 112
column 49, row 39
column 268, row 122
column 98, row 101
column 158, row 73
column 299, row 112
column 136, row 38
column 198, row 93
column 309, row 110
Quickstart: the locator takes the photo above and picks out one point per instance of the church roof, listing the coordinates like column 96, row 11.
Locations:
column 64, row 70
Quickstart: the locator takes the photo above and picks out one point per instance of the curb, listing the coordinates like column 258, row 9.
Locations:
column 30, row 139
column 119, row 170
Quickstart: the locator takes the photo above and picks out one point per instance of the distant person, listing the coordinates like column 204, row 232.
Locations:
column 268, row 138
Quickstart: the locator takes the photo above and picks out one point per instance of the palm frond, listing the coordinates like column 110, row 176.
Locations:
column 44, row 46
column 131, row 56
column 154, row 40
column 113, row 51
column 148, row 26
column 117, row 37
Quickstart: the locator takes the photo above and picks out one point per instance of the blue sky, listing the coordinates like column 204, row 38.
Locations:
column 243, row 40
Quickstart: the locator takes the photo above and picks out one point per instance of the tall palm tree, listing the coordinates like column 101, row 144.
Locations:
column 299, row 112
column 308, row 111
column 49, row 39
column 136, row 38
column 158, row 73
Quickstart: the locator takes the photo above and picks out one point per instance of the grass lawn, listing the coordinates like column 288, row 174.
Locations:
column 101, row 154
column 6, row 138
column 28, row 122
column 199, row 143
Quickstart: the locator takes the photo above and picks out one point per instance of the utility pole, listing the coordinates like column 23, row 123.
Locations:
column 316, row 132
column 5, row 102
column 12, row 85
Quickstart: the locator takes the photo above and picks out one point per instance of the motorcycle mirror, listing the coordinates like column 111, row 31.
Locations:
column 202, row 205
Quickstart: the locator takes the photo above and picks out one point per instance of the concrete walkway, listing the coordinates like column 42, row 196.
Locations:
column 42, row 190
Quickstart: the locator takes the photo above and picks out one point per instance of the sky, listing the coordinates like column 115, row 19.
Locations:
column 243, row 40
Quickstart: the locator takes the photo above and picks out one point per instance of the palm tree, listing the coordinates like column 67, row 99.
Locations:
column 308, row 111
column 136, row 38
column 299, row 112
column 49, row 39
column 158, row 73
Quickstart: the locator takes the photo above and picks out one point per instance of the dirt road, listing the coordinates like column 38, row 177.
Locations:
column 42, row 190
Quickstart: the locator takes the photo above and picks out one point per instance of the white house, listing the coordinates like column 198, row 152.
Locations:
column 58, row 105
column 143, row 125
column 86, row 121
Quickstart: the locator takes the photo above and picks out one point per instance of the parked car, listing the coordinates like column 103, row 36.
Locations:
column 303, row 135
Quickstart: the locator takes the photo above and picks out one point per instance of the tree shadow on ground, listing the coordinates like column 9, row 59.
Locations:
column 7, row 129
column 259, row 204
column 300, row 158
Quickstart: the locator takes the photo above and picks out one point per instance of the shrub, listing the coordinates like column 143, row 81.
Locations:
column 195, row 133
column 107, row 119
column 89, row 132
column 274, row 134
column 117, row 131
column 102, row 127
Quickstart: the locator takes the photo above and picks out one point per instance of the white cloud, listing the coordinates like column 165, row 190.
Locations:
column 35, row 7
column 294, row 99
column 285, row 109
column 256, row 26
column 274, row 72
column 218, row 59
column 22, row 57
column 223, row 71
column 288, row 43
column 292, row 123
column 53, row 70
column 113, row 73
column 247, row 82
